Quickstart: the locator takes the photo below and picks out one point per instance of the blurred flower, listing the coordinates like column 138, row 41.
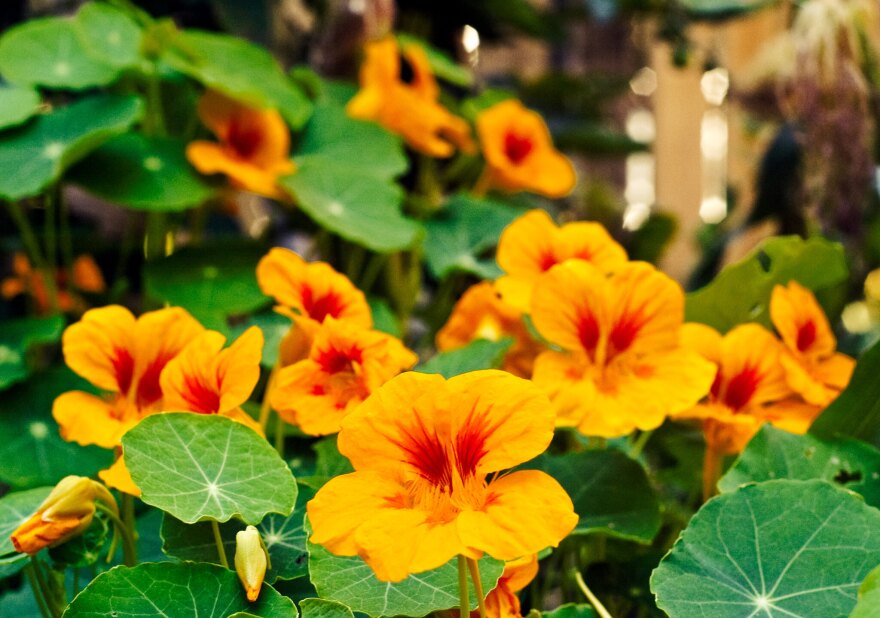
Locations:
column 481, row 313
column 813, row 367
column 622, row 367
column 533, row 244
column 250, row 561
column 65, row 513
column 346, row 363
column 86, row 277
column 422, row 448
column 502, row 601
column 399, row 92
column 254, row 148
column 519, row 152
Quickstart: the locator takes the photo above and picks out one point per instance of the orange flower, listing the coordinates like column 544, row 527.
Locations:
column 423, row 448
column 309, row 293
column 482, row 314
column 622, row 367
column 65, row 513
column 533, row 244
column 87, row 277
column 346, row 363
column 812, row 366
column 407, row 107
column 749, row 387
column 254, row 148
column 502, row 601
column 519, row 152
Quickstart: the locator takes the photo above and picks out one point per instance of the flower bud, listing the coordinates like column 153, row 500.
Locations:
column 250, row 561
column 65, row 513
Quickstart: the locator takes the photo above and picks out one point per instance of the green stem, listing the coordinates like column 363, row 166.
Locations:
column 463, row 602
column 49, row 235
column 129, row 549
column 638, row 445
column 66, row 237
column 155, row 120
column 38, row 592
column 711, row 471
column 265, row 406
column 218, row 540
column 279, row 436
column 48, row 597
column 478, row 585
column 32, row 248
column 354, row 260
column 155, row 242
column 128, row 519
column 594, row 601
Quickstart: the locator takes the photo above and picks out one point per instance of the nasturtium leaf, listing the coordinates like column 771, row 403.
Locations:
column 350, row 580
column 441, row 65
column 334, row 135
column 777, row 454
column 384, row 318
column 32, row 452
column 856, row 411
column 353, row 204
column 176, row 590
column 322, row 608
column 240, row 70
column 571, row 610
column 14, row 509
column 775, row 549
column 329, row 463
column 212, row 283
column 36, row 154
column 274, row 326
column 868, row 605
column 741, row 292
column 611, row 493
column 16, row 338
column 721, row 9
column 284, row 537
column 459, row 236
column 197, row 467
column 143, row 173
column 478, row 354
column 17, row 104
column 109, row 34
column 51, row 52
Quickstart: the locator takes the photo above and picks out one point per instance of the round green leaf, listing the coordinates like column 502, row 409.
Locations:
column 721, row 9
column 478, row 354
column 777, row 454
column 329, row 463
column 197, row 467
column 355, row 205
column 35, row 155
column 143, row 173
column 611, row 493
column 239, row 69
column 322, row 608
column 175, row 590
column 869, row 597
column 109, row 34
column 776, row 549
column 350, row 581
column 17, row 104
column 16, row 338
column 14, row 509
column 571, row 610
column 50, row 52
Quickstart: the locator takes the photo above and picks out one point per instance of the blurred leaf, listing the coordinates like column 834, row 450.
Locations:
column 571, row 610
column 33, row 452
column 17, row 104
column 650, row 241
column 16, row 338
column 274, row 326
column 741, row 292
column 462, row 232
column 14, row 509
column 443, row 67
column 478, row 354
column 384, row 319
column 240, row 70
column 329, row 463
column 35, row 155
column 322, row 608
column 777, row 454
column 722, row 9
column 109, row 34
column 355, row 205
column 869, row 597
column 594, row 140
column 143, row 173
column 472, row 107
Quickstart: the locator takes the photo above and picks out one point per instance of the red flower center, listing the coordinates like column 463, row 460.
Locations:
column 202, row 398
column 806, row 336
column 741, row 387
column 625, row 332
column 318, row 308
column 588, row 332
column 123, row 366
column 333, row 360
column 244, row 139
column 517, row 147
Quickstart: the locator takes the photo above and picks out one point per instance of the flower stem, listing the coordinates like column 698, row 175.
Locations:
column 463, row 602
column 32, row 248
column 130, row 526
column 265, row 406
column 39, row 595
column 711, row 471
column 474, row 568
column 638, row 445
column 218, row 540
column 279, row 436
column 129, row 550
column 594, row 601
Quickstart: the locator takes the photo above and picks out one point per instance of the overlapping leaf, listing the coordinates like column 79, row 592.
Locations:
column 17, row 104
column 14, row 509
column 16, row 338
column 478, row 354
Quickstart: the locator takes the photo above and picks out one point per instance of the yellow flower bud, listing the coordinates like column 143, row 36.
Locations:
column 65, row 513
column 250, row 561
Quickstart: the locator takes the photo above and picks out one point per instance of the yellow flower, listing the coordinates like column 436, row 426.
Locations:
column 502, row 601
column 426, row 453
column 622, row 367
column 254, row 148
column 407, row 107
column 65, row 513
column 519, row 152
column 250, row 561
column 87, row 277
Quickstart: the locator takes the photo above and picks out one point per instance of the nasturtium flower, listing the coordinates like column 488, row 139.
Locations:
column 346, row 363
column 250, row 561
column 309, row 293
column 83, row 276
column 481, row 313
column 427, row 454
column 398, row 91
column 502, row 601
column 254, row 147
column 749, row 388
column 813, row 367
column 533, row 244
column 65, row 513
column 622, row 367
column 519, row 152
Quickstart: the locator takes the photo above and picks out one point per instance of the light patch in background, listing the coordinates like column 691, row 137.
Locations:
column 470, row 42
column 640, row 189
column 714, row 85
column 644, row 82
column 713, row 209
column 714, row 146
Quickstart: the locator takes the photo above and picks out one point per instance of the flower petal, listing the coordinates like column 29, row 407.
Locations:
column 118, row 477
column 100, row 347
column 87, row 419
column 800, row 321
